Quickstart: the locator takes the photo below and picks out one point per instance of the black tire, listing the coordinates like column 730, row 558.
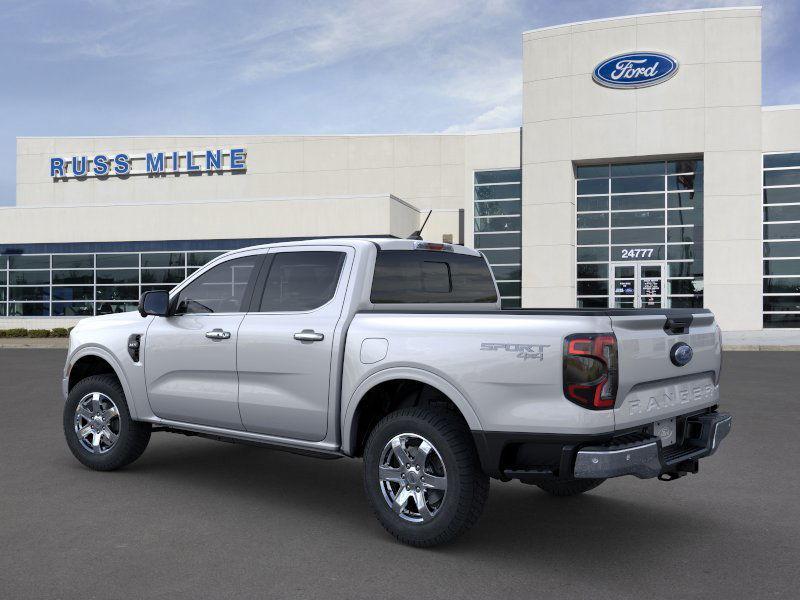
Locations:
column 572, row 487
column 467, row 486
column 133, row 436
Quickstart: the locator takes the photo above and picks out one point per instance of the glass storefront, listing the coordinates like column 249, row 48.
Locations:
column 640, row 234
column 781, row 279
column 498, row 229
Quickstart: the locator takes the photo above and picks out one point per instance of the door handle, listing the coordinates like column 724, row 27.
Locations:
column 309, row 335
column 218, row 334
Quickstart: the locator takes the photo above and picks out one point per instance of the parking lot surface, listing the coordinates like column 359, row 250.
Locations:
column 195, row 518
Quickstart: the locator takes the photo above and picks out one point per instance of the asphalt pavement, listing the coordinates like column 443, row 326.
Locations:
column 195, row 518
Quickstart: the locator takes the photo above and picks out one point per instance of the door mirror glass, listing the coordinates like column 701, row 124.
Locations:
column 154, row 302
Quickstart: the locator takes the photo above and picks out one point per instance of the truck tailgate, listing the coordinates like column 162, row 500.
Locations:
column 651, row 386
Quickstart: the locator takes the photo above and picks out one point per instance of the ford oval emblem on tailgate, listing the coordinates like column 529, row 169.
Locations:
column 681, row 354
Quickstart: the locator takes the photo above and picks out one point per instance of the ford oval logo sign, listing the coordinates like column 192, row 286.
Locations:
column 681, row 354
column 635, row 70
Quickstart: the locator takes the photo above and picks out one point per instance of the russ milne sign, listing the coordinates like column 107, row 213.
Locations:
column 635, row 70
column 151, row 163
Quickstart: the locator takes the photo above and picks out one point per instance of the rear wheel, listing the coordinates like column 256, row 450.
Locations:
column 422, row 476
column 570, row 487
column 98, row 425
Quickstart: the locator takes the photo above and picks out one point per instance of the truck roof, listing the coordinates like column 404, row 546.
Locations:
column 381, row 243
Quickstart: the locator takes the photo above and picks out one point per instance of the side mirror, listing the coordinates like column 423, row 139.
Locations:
column 155, row 302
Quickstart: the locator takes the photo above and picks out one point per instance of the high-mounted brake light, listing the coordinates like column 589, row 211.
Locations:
column 590, row 370
column 433, row 246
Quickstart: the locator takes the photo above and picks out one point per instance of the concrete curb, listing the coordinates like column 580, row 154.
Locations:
column 58, row 343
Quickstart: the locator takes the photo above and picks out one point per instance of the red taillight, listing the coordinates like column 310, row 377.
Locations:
column 590, row 369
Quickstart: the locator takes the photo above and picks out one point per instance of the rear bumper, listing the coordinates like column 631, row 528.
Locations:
column 533, row 457
column 646, row 459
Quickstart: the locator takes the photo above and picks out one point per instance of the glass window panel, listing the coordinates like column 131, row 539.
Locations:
column 592, row 271
column 300, row 281
column 220, row 289
column 29, row 293
column 788, row 177
column 29, row 277
column 782, row 267
column 684, row 286
column 23, row 261
column 498, row 224
column 498, row 240
column 73, row 292
column 684, row 217
column 782, row 303
column 150, row 288
column 782, row 213
column 118, row 275
column 781, row 249
column 592, row 302
column 684, row 182
column 198, row 259
column 73, row 277
column 2, row 277
column 637, row 202
column 680, row 269
column 680, row 234
column 506, row 207
column 585, row 204
column 684, row 166
column 591, row 171
column 782, row 285
column 789, row 159
column 509, row 303
column 509, row 288
column 3, row 309
column 498, row 192
column 107, row 308
column 117, row 292
column 680, row 252
column 117, row 260
column 162, row 275
column 785, row 320
column 72, row 309
column 502, row 257
column 624, row 271
column 638, row 252
column 164, row 259
column 504, row 273
column 637, row 184
column 782, row 195
column 637, row 219
column 498, row 176
column 782, row 231
column 648, row 168
column 593, row 288
column 2, row 294
column 592, row 236
column 73, row 261
column 637, row 236
column 3, row 262
column 592, row 254
column 684, row 199
column 593, row 220
column 28, row 309
column 592, row 186
column 695, row 301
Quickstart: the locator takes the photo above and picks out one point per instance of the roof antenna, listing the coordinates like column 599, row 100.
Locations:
column 417, row 235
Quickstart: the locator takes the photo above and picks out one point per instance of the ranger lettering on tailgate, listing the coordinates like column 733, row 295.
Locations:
column 666, row 400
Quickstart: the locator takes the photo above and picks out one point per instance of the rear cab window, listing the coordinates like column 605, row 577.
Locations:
column 426, row 276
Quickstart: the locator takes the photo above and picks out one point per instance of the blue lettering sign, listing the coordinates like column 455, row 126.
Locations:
column 190, row 166
column 123, row 165
column 79, row 166
column 635, row 70
column 237, row 159
column 56, row 167
column 154, row 163
column 213, row 160
column 176, row 162
column 100, row 164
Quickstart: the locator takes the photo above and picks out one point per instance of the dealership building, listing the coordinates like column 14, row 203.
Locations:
column 645, row 172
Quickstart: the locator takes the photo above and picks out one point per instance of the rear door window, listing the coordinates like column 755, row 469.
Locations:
column 301, row 281
column 426, row 276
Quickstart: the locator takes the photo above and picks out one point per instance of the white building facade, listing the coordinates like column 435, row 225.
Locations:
column 646, row 172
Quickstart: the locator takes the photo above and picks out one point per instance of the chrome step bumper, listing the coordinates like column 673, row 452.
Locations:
column 646, row 458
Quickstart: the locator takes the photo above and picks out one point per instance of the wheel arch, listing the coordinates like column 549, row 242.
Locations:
column 93, row 360
column 359, row 399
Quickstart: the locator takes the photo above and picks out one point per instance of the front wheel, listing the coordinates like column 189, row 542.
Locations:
column 422, row 476
column 98, row 426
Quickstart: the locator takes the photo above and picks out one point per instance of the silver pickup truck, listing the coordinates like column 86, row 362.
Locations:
column 397, row 351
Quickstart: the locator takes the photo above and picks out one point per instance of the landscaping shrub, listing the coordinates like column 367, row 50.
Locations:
column 16, row 332
column 61, row 332
column 38, row 333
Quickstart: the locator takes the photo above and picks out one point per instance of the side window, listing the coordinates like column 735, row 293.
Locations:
column 301, row 280
column 220, row 290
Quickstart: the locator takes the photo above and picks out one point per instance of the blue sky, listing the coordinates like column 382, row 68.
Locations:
column 152, row 67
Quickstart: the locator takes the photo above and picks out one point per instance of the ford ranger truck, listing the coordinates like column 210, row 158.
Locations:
column 396, row 351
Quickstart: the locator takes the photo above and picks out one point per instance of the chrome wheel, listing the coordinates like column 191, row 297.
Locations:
column 412, row 477
column 97, row 423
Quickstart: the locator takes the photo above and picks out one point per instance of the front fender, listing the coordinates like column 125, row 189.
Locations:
column 393, row 373
column 111, row 359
